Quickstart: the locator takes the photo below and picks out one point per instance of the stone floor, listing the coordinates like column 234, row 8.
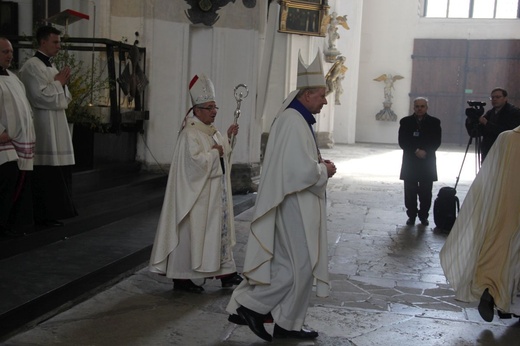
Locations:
column 387, row 284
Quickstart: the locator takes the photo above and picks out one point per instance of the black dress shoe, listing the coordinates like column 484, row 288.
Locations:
column 255, row 321
column 231, row 280
column 236, row 319
column 280, row 333
column 486, row 307
column 49, row 223
column 8, row 233
column 186, row 286
column 424, row 222
column 410, row 221
column 506, row 315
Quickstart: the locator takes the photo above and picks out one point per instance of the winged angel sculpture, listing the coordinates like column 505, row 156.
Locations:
column 386, row 113
column 334, row 78
column 389, row 84
column 333, row 20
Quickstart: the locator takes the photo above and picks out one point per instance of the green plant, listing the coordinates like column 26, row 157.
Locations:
column 88, row 86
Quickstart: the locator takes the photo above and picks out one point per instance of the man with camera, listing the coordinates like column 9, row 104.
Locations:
column 503, row 116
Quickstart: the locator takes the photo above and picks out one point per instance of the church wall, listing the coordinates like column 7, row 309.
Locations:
column 227, row 53
column 387, row 34
column 242, row 47
column 345, row 115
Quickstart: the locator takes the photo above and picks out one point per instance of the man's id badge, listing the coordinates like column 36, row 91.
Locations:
column 416, row 134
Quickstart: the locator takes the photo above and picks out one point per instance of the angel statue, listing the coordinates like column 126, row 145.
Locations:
column 389, row 84
column 334, row 77
column 333, row 20
column 387, row 113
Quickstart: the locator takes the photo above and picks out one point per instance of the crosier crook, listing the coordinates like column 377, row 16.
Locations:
column 239, row 96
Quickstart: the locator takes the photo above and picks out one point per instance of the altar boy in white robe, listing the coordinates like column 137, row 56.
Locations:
column 196, row 230
column 49, row 96
column 16, row 150
column 287, row 247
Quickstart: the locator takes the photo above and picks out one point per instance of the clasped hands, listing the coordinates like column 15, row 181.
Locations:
column 420, row 153
column 63, row 76
column 331, row 168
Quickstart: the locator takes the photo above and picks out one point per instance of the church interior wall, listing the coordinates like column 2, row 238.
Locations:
column 345, row 115
column 387, row 35
column 241, row 47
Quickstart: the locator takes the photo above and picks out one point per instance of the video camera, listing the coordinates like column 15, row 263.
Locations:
column 473, row 113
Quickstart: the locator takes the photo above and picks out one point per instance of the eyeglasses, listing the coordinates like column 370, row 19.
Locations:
column 495, row 97
column 210, row 108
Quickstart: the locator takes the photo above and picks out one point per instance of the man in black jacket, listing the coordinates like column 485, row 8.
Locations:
column 419, row 137
column 503, row 116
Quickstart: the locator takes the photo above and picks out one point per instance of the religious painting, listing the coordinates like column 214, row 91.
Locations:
column 303, row 17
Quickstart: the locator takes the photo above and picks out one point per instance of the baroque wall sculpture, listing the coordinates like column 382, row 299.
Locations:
column 333, row 20
column 334, row 78
column 387, row 114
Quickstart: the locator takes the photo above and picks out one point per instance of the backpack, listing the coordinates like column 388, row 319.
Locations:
column 445, row 208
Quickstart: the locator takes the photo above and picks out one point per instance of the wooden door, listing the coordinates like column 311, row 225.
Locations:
column 451, row 72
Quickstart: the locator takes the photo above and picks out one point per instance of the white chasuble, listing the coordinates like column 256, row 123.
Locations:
column 287, row 245
column 196, row 232
column 483, row 249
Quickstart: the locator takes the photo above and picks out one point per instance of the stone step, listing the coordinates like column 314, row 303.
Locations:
column 53, row 269
column 101, row 204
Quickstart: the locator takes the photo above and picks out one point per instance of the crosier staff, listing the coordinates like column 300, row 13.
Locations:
column 239, row 96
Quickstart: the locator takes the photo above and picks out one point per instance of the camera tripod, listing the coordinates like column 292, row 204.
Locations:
column 478, row 154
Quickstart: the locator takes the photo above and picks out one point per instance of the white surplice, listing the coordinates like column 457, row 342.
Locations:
column 16, row 118
column 287, row 246
column 196, row 231
column 483, row 249
column 49, row 100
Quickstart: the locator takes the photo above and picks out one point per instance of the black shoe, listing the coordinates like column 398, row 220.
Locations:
column 49, row 223
column 280, row 333
column 8, row 233
column 234, row 318
column 231, row 280
column 504, row 315
column 486, row 307
column 255, row 321
column 187, row 286
column 410, row 221
column 424, row 222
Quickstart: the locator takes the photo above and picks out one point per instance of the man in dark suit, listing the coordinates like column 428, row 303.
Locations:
column 503, row 116
column 419, row 137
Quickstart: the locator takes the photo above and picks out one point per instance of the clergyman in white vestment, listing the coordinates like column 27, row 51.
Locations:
column 481, row 256
column 16, row 150
column 196, row 230
column 287, row 247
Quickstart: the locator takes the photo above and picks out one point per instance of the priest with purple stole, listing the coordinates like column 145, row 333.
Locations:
column 287, row 247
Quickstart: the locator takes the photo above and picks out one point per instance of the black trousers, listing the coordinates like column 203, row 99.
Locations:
column 16, row 209
column 421, row 189
column 8, row 179
column 52, row 193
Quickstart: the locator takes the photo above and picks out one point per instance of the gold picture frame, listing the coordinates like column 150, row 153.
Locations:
column 303, row 17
